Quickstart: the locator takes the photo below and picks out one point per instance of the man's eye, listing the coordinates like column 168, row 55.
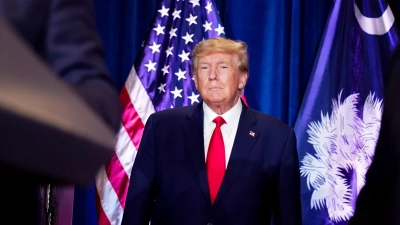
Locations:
column 204, row 67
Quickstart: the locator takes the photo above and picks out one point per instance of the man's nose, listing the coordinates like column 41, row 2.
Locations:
column 213, row 74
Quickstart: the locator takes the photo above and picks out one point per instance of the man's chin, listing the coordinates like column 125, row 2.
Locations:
column 214, row 101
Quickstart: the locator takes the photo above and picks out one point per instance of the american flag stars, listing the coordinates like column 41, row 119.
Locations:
column 155, row 47
column 207, row 26
column 195, row 2
column 177, row 92
column 192, row 19
column 181, row 75
column 220, row 29
column 209, row 7
column 176, row 14
column 150, row 66
column 164, row 11
column 161, row 88
column 184, row 56
column 194, row 98
column 169, row 51
column 188, row 38
column 166, row 71
column 172, row 32
column 161, row 79
column 159, row 29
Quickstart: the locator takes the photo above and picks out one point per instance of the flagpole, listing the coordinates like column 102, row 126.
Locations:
column 49, row 204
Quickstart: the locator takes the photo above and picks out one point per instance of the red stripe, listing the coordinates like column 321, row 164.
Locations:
column 103, row 219
column 130, row 118
column 118, row 178
column 134, row 127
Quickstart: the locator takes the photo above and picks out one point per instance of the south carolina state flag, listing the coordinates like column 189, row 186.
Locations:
column 339, row 120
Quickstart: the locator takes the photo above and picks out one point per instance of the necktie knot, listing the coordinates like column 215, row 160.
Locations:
column 219, row 121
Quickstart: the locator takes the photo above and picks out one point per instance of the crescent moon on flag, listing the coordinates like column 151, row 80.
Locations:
column 375, row 26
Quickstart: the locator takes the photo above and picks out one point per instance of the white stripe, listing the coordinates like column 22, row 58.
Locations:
column 108, row 198
column 125, row 151
column 375, row 26
column 139, row 97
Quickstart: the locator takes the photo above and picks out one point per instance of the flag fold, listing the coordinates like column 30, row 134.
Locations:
column 339, row 121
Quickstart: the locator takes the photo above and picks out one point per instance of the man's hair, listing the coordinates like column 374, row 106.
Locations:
column 221, row 45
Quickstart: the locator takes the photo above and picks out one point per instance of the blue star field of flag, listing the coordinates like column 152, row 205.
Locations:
column 164, row 65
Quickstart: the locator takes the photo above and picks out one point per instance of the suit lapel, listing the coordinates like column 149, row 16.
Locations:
column 245, row 139
column 194, row 135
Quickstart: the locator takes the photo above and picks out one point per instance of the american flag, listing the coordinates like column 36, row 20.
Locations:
column 161, row 78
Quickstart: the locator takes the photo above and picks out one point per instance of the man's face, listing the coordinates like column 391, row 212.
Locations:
column 219, row 80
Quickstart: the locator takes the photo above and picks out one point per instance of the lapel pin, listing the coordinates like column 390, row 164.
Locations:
column 252, row 133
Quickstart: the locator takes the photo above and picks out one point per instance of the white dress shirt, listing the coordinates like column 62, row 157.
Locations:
column 228, row 129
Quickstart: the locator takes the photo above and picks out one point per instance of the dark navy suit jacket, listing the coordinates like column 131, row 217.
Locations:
column 168, row 182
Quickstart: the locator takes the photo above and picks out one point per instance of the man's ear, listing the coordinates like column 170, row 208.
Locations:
column 195, row 80
column 242, row 80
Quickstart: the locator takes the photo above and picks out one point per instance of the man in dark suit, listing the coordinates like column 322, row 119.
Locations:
column 379, row 200
column 63, row 34
column 177, row 176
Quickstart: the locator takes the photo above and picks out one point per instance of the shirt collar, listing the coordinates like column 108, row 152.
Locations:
column 231, row 116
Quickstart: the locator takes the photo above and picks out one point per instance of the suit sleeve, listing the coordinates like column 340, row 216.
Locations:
column 73, row 49
column 288, row 210
column 140, row 198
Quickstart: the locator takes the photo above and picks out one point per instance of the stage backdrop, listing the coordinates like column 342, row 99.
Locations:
column 283, row 38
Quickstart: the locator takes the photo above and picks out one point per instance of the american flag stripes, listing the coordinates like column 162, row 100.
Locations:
column 160, row 79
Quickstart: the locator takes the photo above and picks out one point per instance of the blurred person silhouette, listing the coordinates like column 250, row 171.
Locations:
column 63, row 34
column 379, row 200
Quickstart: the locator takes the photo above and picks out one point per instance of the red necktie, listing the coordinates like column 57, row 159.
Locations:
column 216, row 159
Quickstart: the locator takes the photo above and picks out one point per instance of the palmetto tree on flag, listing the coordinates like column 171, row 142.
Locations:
column 339, row 121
